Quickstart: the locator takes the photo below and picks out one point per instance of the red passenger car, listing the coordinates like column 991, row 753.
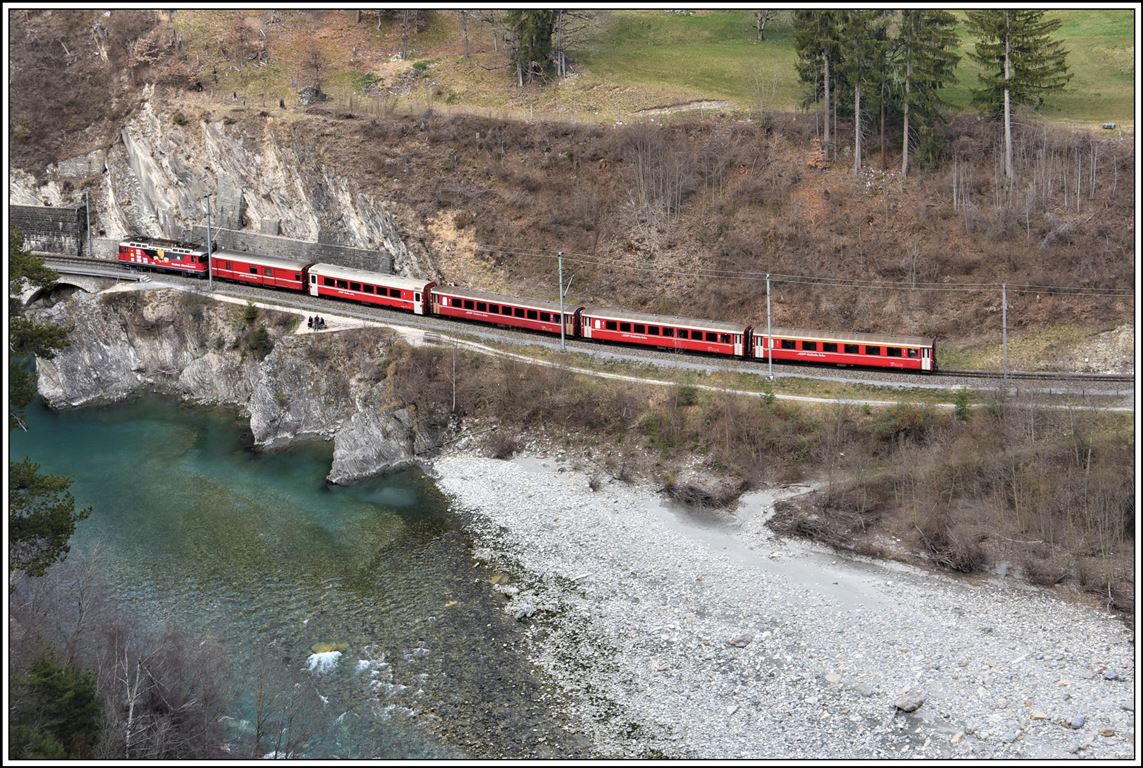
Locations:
column 909, row 352
column 497, row 309
column 266, row 271
column 408, row 293
column 665, row 332
column 157, row 253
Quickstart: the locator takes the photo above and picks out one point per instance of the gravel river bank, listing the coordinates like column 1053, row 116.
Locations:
column 672, row 636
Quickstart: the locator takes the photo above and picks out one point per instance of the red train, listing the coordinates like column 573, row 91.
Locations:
column 617, row 326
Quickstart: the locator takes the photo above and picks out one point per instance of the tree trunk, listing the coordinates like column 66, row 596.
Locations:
column 884, row 161
column 1007, row 107
column 856, row 129
column 905, row 135
column 464, row 29
column 825, row 62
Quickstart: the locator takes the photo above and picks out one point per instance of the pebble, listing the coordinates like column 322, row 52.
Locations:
column 662, row 638
column 1077, row 722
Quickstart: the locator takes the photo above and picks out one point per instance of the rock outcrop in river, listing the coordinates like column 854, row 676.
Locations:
column 293, row 387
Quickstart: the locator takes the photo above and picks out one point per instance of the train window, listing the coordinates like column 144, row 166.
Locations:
column 517, row 312
column 829, row 346
column 625, row 327
column 368, row 288
column 612, row 325
column 787, row 344
column 851, row 349
column 810, row 346
column 685, row 334
column 654, row 330
column 327, row 281
column 911, row 353
column 355, row 286
column 893, row 351
column 469, row 304
column 481, row 306
column 297, row 275
column 253, row 270
column 342, row 283
column 669, row 333
column 640, row 328
column 531, row 314
column 724, row 338
column 872, row 350
column 547, row 317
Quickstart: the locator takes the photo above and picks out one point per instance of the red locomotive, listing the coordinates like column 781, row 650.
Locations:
column 617, row 326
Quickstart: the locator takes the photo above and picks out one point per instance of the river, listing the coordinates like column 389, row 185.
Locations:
column 195, row 528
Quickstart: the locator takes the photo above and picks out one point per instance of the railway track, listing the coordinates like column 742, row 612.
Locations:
column 304, row 301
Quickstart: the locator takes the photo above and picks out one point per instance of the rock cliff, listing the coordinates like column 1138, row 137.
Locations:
column 293, row 387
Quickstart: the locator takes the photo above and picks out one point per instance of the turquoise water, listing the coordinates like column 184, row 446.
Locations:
column 193, row 527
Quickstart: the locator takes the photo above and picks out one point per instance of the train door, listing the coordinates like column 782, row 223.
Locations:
column 926, row 360
column 313, row 285
column 418, row 305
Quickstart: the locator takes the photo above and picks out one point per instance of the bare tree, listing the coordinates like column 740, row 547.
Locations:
column 761, row 19
column 463, row 16
column 314, row 63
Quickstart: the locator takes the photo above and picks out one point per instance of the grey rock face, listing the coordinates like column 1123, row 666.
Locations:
column 377, row 440
column 314, row 386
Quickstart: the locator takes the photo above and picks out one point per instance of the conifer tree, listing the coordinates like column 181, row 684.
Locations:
column 1022, row 63
column 925, row 62
column 863, row 41
column 817, row 41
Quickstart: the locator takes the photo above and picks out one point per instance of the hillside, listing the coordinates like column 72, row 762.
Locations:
column 681, row 217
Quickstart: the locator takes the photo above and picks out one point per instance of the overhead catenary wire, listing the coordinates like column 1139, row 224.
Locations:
column 723, row 274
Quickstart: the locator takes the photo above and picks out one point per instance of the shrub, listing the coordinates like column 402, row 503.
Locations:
column 502, row 444
column 686, row 394
column 179, row 118
column 250, row 313
column 961, row 404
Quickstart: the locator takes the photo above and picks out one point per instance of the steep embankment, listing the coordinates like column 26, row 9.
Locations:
column 294, row 387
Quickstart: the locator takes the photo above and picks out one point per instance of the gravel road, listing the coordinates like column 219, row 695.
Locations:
column 667, row 635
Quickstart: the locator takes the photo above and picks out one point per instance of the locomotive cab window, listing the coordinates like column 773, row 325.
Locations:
column 893, row 351
column 851, row 349
column 788, row 344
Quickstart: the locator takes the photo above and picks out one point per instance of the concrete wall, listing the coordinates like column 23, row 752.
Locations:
column 54, row 230
column 285, row 248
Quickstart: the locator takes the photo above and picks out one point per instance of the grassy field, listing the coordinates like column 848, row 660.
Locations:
column 623, row 62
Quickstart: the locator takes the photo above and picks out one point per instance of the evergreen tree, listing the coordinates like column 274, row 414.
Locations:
column 55, row 712
column 41, row 518
column 1022, row 63
column 27, row 337
column 863, row 45
column 530, row 42
column 925, row 62
column 817, row 41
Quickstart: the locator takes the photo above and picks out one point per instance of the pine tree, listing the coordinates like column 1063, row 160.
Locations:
column 1022, row 63
column 530, row 41
column 55, row 712
column 41, row 518
column 863, row 42
column 924, row 63
column 27, row 337
column 817, row 41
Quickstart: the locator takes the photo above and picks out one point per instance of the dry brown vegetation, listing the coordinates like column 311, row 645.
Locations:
column 1050, row 493
column 641, row 209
